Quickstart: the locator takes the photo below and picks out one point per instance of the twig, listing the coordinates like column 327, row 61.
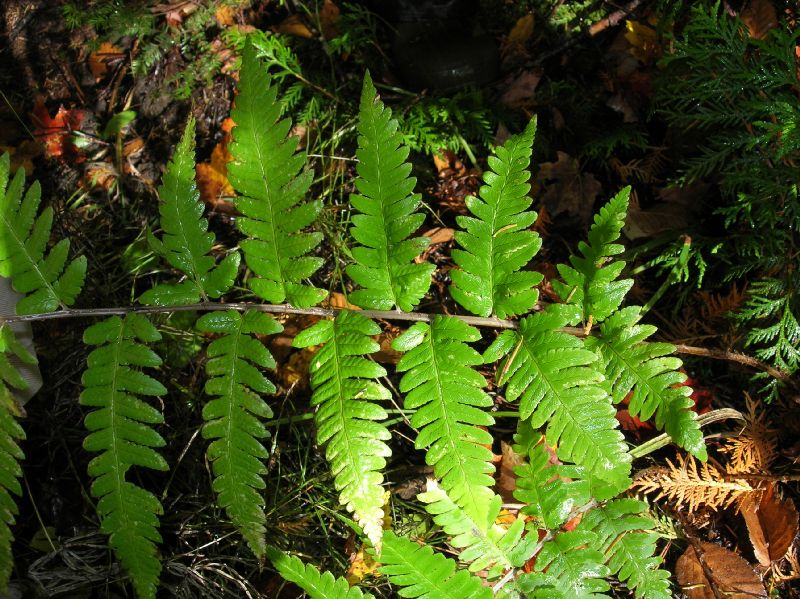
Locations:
column 731, row 356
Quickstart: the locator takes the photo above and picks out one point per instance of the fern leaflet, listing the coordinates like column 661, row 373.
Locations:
column 497, row 240
column 11, row 434
column 385, row 267
column 187, row 241
column 447, row 395
column 558, row 383
column 47, row 281
column 590, row 283
column 120, row 429
column 425, row 574
column 342, row 383
column 233, row 418
column 652, row 374
column 568, row 567
column 483, row 544
column 317, row 585
column 621, row 535
column 264, row 170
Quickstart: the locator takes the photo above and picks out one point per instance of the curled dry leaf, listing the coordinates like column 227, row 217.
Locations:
column 212, row 177
column 725, row 573
column 760, row 17
column 102, row 57
column 772, row 524
column 568, row 190
column 506, row 480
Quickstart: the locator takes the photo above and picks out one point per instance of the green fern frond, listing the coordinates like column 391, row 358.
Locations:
column 187, row 240
column 446, row 392
column 11, row 434
column 590, row 283
column 265, row 171
column 548, row 497
column 385, row 267
column 343, row 384
column 315, row 584
column 233, row 418
column 120, row 429
column 558, row 383
column 497, row 240
column 568, row 566
column 483, row 544
column 425, row 574
column 48, row 282
column 622, row 536
column 651, row 373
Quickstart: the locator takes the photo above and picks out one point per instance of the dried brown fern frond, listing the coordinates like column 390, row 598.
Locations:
column 716, row 306
column 686, row 484
column 756, row 447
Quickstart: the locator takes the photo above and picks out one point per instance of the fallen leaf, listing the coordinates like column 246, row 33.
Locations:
column 568, row 191
column 212, row 177
column 99, row 176
column 725, row 571
column 517, row 40
column 100, row 58
column 55, row 132
column 338, row 301
column 772, row 524
column 673, row 212
column 519, row 93
column 294, row 25
column 439, row 235
column 759, row 17
column 224, row 15
column 329, row 19
column 506, row 482
column 643, row 41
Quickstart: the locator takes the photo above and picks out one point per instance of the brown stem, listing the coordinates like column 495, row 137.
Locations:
column 731, row 356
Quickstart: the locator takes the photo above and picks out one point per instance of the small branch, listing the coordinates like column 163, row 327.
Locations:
column 730, row 356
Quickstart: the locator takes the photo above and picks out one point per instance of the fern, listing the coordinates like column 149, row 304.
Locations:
column 264, row 170
column 651, row 373
column 484, row 545
column 590, row 283
column 317, row 585
column 496, row 239
column 447, row 395
column 384, row 266
column 48, row 282
column 233, row 418
column 559, row 384
column 341, row 379
column 568, row 567
column 120, row 430
column 621, row 535
column 11, row 434
column 424, row 574
column 187, row 241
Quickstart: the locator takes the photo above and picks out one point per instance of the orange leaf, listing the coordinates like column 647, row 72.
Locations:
column 293, row 25
column 772, row 524
column 759, row 17
column 54, row 132
column 725, row 573
column 100, row 58
column 224, row 15
column 212, row 177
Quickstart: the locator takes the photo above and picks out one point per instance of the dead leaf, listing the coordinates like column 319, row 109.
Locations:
column 338, row 301
column 772, row 524
column 759, row 17
column 54, row 132
column 212, row 177
column 519, row 93
column 224, row 14
column 294, row 25
column 568, row 191
column 99, row 176
column 506, row 482
column 673, row 212
column 100, row 58
column 329, row 20
column 725, row 571
column 643, row 41
column 519, row 36
column 439, row 235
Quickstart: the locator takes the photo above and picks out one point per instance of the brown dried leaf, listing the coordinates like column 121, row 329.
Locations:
column 212, row 177
column 519, row 36
column 293, row 25
column 329, row 19
column 672, row 213
column 724, row 571
column 569, row 191
column 519, row 93
column 772, row 524
column 506, row 482
column 99, row 59
column 759, row 17
column 55, row 132
column 439, row 235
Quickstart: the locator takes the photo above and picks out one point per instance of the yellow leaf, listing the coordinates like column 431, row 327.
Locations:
column 643, row 41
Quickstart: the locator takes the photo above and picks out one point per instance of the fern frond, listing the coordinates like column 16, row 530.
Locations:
column 11, row 434
column 446, row 392
column 265, row 171
column 187, row 241
column 497, row 243
column 425, row 574
column 48, row 282
column 484, row 544
column 317, row 585
column 622, row 534
column 547, row 496
column 343, row 384
column 233, row 418
column 559, row 384
column 570, row 565
column 385, row 267
column 120, row 430
column 651, row 373
column 590, row 283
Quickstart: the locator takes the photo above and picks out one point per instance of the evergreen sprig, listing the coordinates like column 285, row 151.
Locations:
column 385, row 204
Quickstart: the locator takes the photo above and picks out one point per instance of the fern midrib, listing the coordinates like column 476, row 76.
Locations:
column 195, row 274
column 21, row 245
column 252, row 111
column 230, row 396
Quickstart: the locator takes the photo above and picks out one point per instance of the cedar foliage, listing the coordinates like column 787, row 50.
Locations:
column 566, row 386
